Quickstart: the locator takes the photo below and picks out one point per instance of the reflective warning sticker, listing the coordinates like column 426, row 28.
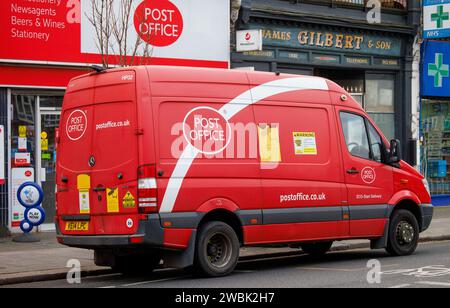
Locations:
column 269, row 143
column 128, row 201
column 84, row 202
column 112, row 200
column 305, row 143
column 83, row 185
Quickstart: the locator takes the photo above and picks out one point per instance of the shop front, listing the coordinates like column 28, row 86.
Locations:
column 435, row 119
column 369, row 64
column 47, row 43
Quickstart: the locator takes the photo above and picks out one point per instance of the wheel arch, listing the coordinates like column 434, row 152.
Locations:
column 411, row 206
column 225, row 216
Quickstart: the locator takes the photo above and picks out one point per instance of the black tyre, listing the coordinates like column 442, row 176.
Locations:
column 403, row 234
column 136, row 264
column 217, row 250
column 316, row 249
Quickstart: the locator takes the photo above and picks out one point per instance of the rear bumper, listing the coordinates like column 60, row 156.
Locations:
column 150, row 234
column 96, row 242
column 427, row 211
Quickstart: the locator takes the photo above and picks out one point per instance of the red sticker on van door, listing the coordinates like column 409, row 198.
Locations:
column 76, row 125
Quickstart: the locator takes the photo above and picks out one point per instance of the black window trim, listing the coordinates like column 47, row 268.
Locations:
column 372, row 155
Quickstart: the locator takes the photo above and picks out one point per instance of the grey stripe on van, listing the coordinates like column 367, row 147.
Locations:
column 190, row 220
column 369, row 212
column 298, row 215
column 322, row 214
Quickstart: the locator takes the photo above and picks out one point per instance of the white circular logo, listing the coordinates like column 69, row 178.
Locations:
column 130, row 223
column 29, row 195
column 34, row 216
column 76, row 125
column 26, row 225
column 368, row 175
column 207, row 130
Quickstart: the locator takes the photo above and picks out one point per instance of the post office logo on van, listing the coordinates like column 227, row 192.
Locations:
column 158, row 22
column 368, row 175
column 207, row 130
column 76, row 125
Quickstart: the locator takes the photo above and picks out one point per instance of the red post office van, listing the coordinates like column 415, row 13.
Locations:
column 187, row 165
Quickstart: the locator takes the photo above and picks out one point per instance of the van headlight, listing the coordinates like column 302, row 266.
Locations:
column 427, row 186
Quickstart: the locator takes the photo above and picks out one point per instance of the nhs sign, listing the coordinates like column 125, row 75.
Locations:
column 436, row 18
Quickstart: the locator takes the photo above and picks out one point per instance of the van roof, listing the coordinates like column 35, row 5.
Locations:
column 160, row 73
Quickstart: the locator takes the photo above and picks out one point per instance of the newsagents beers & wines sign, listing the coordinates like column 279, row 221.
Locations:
column 195, row 32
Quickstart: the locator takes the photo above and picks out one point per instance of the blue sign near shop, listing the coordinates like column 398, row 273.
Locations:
column 435, row 69
column 436, row 18
column 30, row 195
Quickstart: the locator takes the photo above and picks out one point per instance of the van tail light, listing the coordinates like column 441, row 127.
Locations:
column 147, row 189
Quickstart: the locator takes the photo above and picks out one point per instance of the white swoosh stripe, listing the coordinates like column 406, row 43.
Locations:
column 228, row 111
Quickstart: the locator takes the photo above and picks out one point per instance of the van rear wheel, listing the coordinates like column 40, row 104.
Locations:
column 316, row 249
column 217, row 250
column 403, row 234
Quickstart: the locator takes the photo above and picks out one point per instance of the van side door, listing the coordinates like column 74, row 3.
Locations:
column 368, row 179
column 301, row 178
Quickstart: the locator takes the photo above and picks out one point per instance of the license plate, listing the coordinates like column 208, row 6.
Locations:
column 77, row 226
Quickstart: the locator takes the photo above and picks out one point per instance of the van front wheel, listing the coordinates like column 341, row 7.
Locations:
column 217, row 249
column 403, row 234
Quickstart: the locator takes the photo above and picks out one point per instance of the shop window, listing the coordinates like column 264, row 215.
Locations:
column 23, row 131
column 350, row 81
column 287, row 70
column 50, row 102
column 436, row 145
column 380, row 101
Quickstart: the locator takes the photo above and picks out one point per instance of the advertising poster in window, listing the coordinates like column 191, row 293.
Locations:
column 19, row 176
column 2, row 155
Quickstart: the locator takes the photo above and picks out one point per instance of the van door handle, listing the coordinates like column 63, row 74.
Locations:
column 98, row 189
column 352, row 171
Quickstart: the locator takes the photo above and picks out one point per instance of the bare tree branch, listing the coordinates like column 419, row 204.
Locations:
column 112, row 23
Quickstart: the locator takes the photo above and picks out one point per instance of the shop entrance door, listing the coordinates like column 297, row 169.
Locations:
column 34, row 122
column 49, row 123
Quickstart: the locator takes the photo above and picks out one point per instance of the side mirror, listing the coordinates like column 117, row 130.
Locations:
column 395, row 152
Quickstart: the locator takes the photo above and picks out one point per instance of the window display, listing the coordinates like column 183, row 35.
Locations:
column 436, row 145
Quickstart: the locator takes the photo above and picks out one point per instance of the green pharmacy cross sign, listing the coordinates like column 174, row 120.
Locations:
column 436, row 19
column 438, row 70
column 440, row 16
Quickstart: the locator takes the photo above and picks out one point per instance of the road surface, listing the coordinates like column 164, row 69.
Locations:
column 429, row 267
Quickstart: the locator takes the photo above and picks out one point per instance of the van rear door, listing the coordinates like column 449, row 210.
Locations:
column 98, row 157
